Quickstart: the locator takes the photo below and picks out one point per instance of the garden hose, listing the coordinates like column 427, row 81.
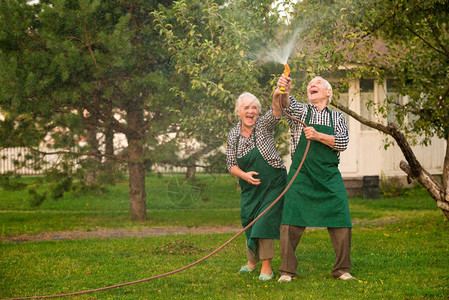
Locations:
column 287, row 69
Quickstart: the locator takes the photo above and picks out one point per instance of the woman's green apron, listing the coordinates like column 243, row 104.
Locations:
column 256, row 198
column 318, row 197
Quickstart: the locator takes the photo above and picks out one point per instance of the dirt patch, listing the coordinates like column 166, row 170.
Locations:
column 112, row 233
column 119, row 233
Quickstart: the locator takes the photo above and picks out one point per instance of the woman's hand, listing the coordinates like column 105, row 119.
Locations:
column 248, row 177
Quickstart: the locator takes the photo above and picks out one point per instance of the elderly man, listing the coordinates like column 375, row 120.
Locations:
column 317, row 198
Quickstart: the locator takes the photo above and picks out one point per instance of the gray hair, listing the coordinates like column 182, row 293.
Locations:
column 246, row 96
column 327, row 84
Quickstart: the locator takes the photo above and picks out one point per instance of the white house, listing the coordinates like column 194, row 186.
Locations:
column 366, row 155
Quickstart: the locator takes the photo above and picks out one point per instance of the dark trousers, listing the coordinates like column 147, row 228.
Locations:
column 290, row 237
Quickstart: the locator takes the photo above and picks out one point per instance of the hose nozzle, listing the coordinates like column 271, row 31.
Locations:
column 287, row 73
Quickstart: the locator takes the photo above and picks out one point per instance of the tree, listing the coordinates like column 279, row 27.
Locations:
column 214, row 47
column 78, row 68
column 415, row 39
column 64, row 60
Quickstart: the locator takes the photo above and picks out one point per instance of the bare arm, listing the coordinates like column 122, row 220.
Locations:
column 247, row 176
column 283, row 81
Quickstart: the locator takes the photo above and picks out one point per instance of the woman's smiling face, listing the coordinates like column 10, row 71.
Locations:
column 248, row 113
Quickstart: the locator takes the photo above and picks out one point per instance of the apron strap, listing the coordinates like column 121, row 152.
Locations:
column 238, row 140
column 330, row 117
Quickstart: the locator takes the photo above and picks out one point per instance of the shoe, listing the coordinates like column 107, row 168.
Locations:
column 346, row 276
column 246, row 269
column 265, row 277
column 285, row 278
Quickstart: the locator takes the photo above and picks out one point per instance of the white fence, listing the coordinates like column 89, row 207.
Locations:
column 12, row 159
column 8, row 157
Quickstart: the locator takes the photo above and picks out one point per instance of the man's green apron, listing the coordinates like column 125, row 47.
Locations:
column 318, row 197
column 256, row 198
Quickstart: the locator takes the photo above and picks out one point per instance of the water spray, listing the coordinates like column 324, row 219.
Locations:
column 281, row 55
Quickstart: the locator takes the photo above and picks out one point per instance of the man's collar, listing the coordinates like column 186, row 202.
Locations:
column 313, row 106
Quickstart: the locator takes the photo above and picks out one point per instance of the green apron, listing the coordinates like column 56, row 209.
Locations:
column 318, row 197
column 256, row 198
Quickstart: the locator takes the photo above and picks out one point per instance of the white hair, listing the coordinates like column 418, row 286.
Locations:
column 246, row 96
column 326, row 83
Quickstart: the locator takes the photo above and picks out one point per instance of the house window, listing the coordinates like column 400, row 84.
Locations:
column 394, row 97
column 367, row 101
column 397, row 99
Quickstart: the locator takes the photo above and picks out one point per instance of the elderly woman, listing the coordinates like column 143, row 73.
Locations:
column 251, row 156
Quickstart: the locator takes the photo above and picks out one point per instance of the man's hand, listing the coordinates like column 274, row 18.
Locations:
column 313, row 135
column 283, row 82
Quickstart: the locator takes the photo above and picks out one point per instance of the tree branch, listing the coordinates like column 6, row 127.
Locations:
column 412, row 167
column 66, row 152
column 437, row 38
column 424, row 41
column 361, row 119
column 415, row 170
column 434, row 188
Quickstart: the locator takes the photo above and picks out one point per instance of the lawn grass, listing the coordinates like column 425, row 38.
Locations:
column 400, row 249
column 215, row 201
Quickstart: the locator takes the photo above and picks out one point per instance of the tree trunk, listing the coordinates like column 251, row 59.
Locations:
column 136, row 166
column 93, row 161
column 414, row 170
column 109, row 142
column 191, row 171
column 136, row 169
column 445, row 195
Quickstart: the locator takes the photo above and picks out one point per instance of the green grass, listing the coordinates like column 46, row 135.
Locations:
column 400, row 249
column 209, row 200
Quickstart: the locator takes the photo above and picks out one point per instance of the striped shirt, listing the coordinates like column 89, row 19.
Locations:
column 299, row 111
column 264, row 139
